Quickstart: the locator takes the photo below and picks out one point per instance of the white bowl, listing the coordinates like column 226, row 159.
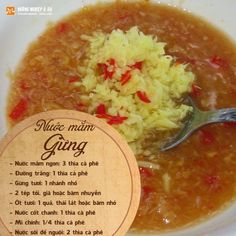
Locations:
column 16, row 32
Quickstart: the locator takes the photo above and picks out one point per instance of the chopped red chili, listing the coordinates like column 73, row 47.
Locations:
column 138, row 65
column 107, row 69
column 19, row 109
column 146, row 191
column 103, row 67
column 104, row 116
column 116, row 120
column 218, row 61
column 146, row 172
column 62, row 28
column 73, row 79
column 113, row 120
column 80, row 107
column 230, row 124
column 24, row 86
column 101, row 109
column 125, row 77
column 206, row 137
column 111, row 62
column 212, row 181
column 122, row 17
column 196, row 90
column 143, row 96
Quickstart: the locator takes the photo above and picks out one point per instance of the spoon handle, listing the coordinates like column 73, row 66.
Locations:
column 222, row 115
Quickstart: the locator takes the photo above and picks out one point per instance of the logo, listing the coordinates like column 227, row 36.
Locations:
column 29, row 10
column 10, row 11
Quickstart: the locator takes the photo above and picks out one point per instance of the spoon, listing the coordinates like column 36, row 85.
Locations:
column 198, row 119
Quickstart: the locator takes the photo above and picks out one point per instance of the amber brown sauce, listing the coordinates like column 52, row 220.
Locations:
column 202, row 169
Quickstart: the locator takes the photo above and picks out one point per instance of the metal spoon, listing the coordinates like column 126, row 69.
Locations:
column 199, row 118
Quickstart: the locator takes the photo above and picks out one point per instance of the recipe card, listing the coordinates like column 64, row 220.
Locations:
column 66, row 173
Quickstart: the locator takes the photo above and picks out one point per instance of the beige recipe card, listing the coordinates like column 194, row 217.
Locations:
column 67, row 173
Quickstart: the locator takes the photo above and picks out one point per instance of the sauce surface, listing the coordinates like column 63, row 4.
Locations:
column 194, row 180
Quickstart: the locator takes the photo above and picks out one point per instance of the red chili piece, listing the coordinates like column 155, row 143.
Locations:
column 146, row 172
column 138, row 65
column 216, row 60
column 106, row 70
column 116, row 120
column 206, row 137
column 113, row 120
column 103, row 116
column 73, row 79
column 62, row 28
column 125, row 77
column 24, row 86
column 101, row 109
column 146, row 191
column 212, row 180
column 80, row 107
column 111, row 62
column 230, row 124
column 19, row 109
column 143, row 96
column 123, row 16
column 196, row 90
